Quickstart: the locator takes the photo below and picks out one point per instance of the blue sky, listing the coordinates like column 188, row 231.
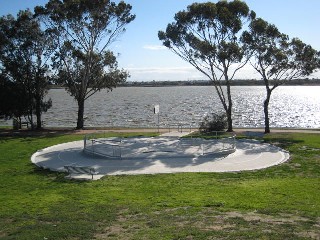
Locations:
column 143, row 56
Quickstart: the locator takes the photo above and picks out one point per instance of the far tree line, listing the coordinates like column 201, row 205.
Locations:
column 235, row 82
column 67, row 42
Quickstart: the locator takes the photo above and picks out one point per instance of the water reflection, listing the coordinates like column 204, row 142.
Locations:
column 290, row 106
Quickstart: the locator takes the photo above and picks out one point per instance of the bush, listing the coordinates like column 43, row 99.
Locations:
column 213, row 122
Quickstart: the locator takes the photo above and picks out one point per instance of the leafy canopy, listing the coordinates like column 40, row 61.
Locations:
column 85, row 29
column 206, row 35
column 25, row 51
column 275, row 56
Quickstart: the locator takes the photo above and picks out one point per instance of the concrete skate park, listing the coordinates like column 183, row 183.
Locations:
column 95, row 157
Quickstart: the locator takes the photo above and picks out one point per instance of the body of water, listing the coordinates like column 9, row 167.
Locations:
column 290, row 106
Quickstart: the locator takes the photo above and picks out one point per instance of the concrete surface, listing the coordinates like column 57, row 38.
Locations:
column 249, row 155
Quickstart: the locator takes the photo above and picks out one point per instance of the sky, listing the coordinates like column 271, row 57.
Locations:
column 142, row 54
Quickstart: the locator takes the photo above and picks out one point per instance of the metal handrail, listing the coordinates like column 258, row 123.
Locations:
column 228, row 144
column 94, row 151
column 180, row 127
column 225, row 144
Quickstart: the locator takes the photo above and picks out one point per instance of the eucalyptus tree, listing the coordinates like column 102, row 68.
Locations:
column 25, row 51
column 207, row 35
column 275, row 57
column 85, row 29
column 12, row 102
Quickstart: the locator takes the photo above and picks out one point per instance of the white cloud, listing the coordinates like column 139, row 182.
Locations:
column 162, row 70
column 185, row 73
column 154, row 47
column 163, row 73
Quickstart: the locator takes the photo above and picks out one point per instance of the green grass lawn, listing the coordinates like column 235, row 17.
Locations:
column 281, row 202
column 5, row 127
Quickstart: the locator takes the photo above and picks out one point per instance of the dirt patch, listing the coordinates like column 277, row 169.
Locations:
column 212, row 222
column 115, row 230
column 255, row 217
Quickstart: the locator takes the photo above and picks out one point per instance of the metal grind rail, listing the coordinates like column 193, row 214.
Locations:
column 222, row 145
column 217, row 143
column 180, row 127
column 102, row 146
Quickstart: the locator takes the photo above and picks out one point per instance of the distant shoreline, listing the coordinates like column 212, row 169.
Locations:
column 298, row 82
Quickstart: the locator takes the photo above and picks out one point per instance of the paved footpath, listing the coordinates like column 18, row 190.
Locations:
column 53, row 131
column 249, row 155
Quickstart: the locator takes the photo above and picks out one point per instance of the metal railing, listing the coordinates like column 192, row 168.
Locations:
column 218, row 143
column 106, row 147
column 180, row 127
column 221, row 145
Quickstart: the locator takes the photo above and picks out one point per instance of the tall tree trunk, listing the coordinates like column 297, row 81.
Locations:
column 229, row 119
column 37, row 93
column 31, row 111
column 229, row 109
column 266, row 112
column 30, row 117
column 38, row 111
column 80, row 121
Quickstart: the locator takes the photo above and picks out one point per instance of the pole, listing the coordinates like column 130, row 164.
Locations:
column 158, row 122
column 156, row 110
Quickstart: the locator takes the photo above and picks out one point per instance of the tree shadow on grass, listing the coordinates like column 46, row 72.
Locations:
column 34, row 133
column 30, row 138
column 283, row 142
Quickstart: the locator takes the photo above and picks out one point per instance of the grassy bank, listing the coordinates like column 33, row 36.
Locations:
column 280, row 202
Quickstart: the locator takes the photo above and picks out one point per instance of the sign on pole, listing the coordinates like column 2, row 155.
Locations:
column 156, row 109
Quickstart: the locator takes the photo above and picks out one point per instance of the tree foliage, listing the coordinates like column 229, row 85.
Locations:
column 12, row 99
column 84, row 30
column 24, row 53
column 213, row 122
column 275, row 57
column 207, row 35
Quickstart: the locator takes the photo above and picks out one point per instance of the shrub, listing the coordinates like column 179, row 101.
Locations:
column 213, row 122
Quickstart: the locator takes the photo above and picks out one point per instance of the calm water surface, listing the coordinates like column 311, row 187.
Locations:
column 290, row 106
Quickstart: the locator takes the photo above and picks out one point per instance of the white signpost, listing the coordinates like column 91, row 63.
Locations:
column 156, row 110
